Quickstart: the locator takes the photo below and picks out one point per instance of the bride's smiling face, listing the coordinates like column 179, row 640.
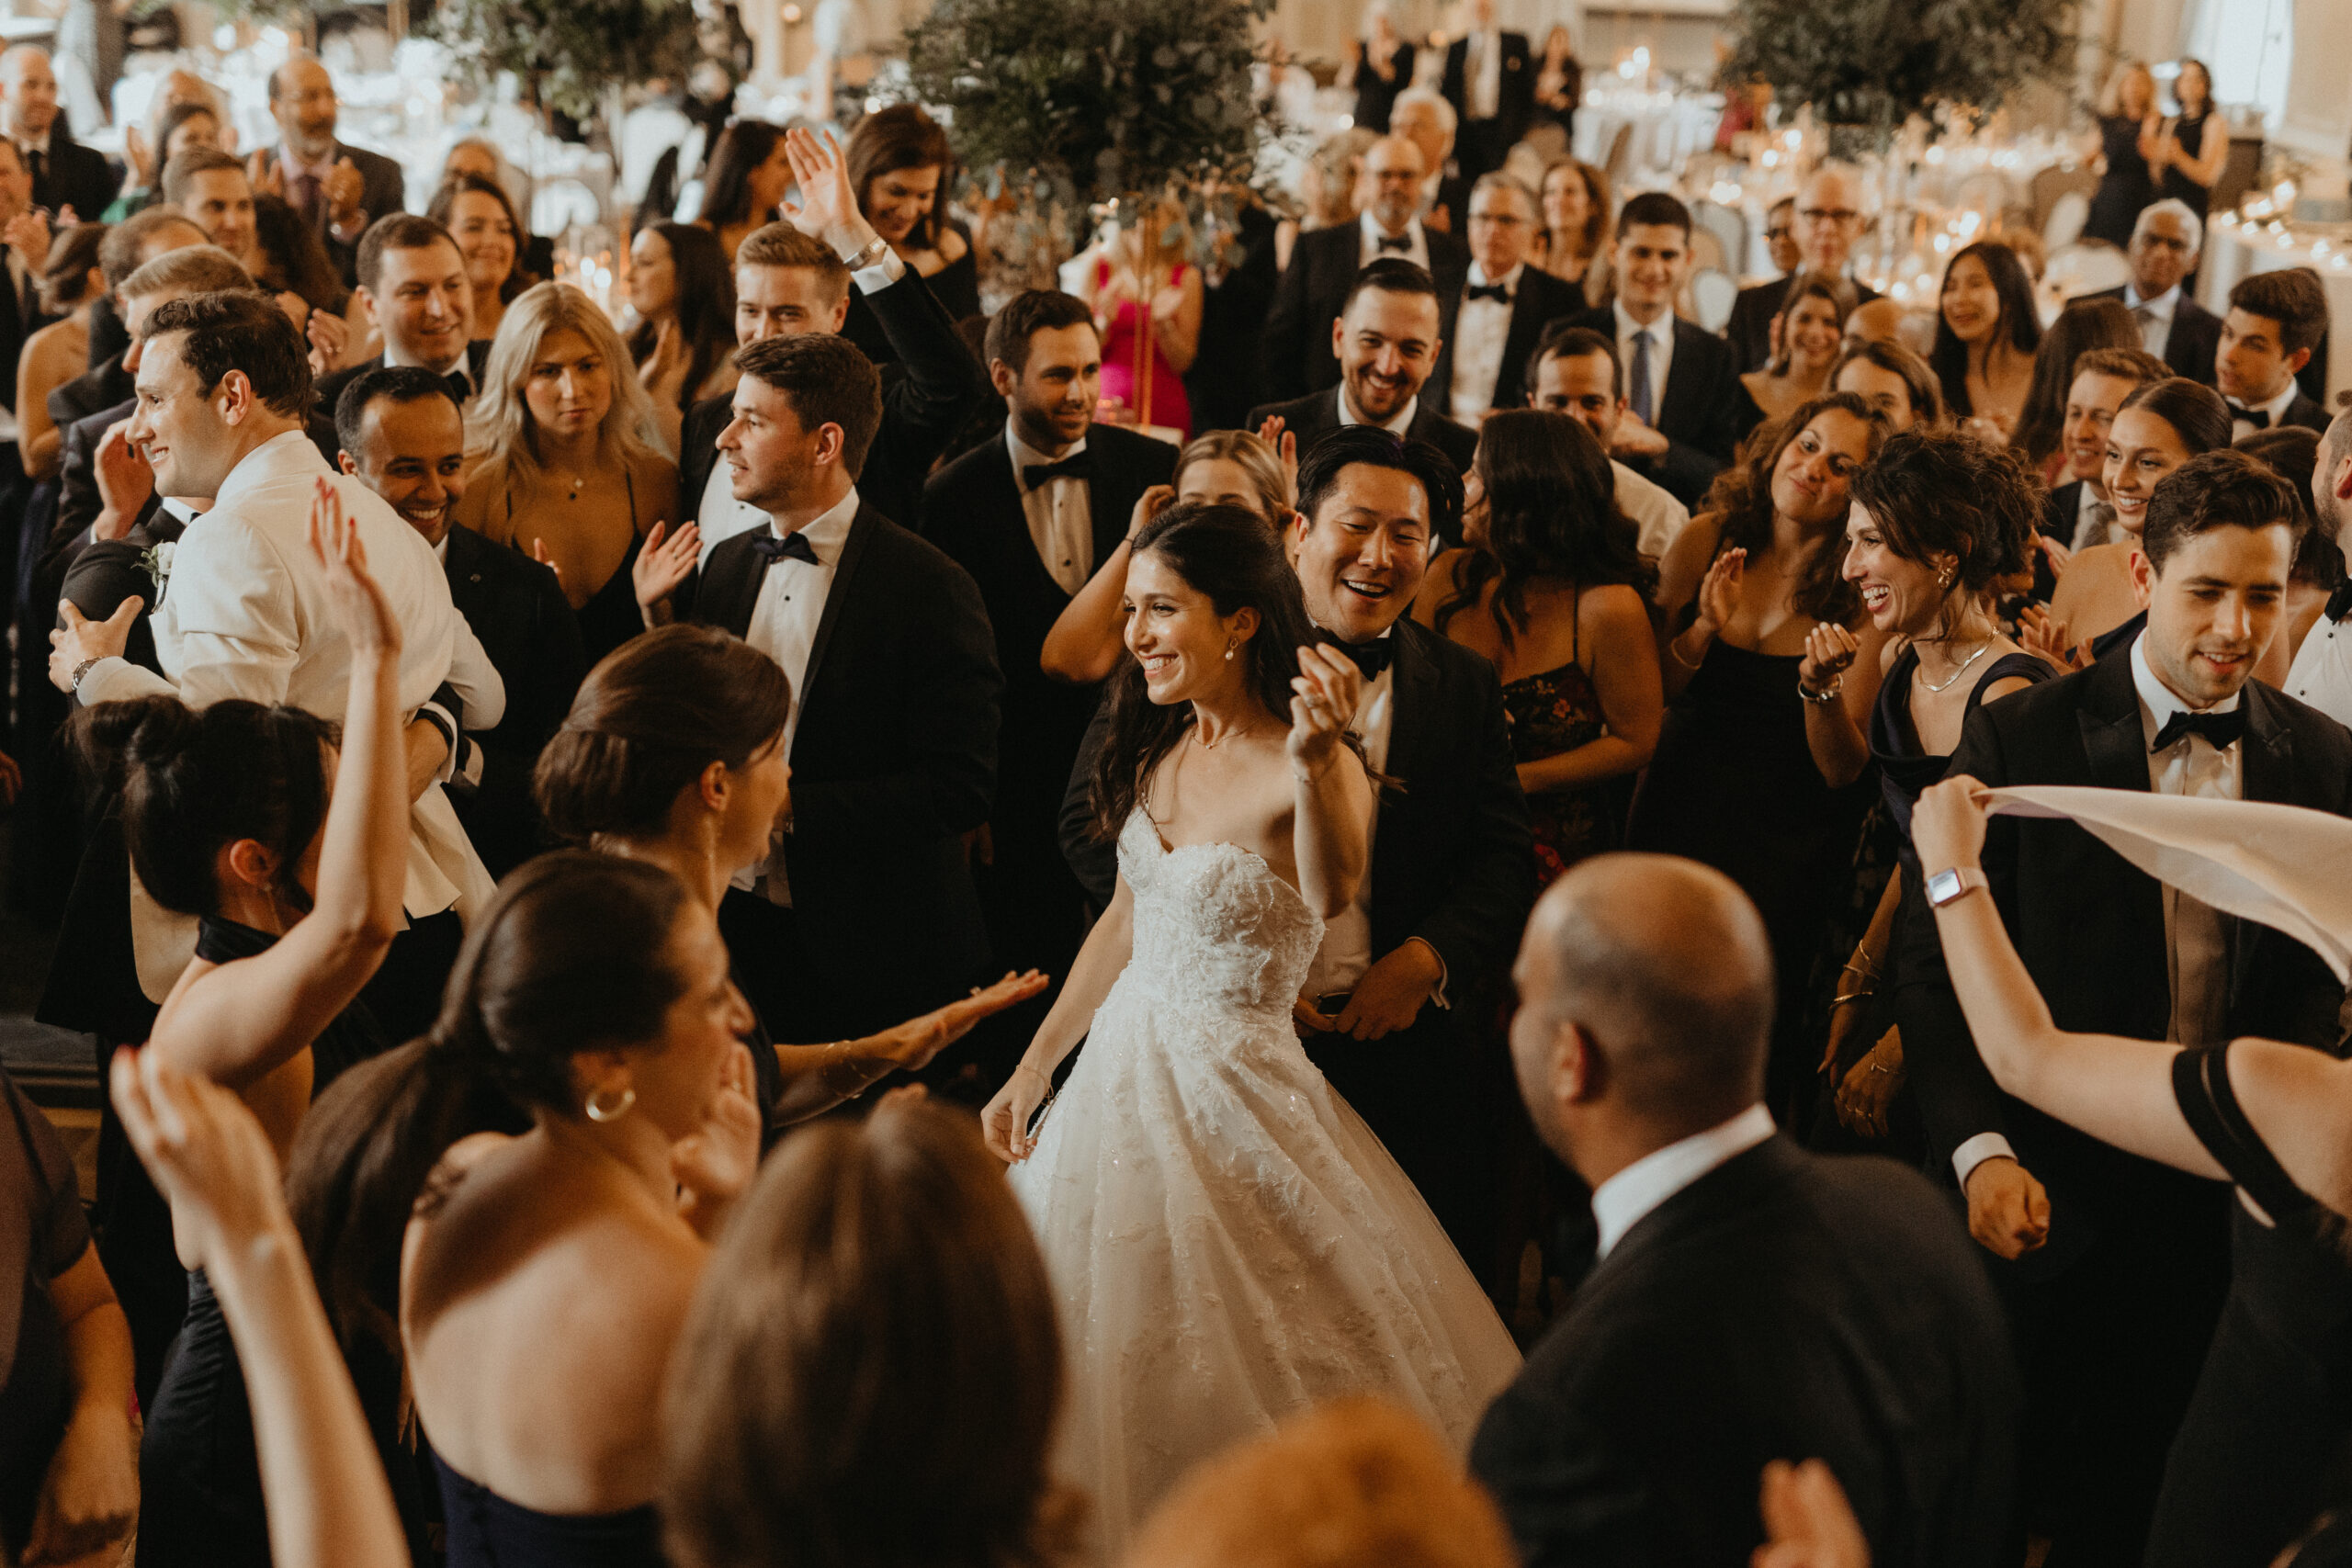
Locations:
column 1175, row 633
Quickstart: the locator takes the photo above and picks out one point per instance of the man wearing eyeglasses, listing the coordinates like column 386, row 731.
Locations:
column 2173, row 326
column 1505, row 304
column 1826, row 221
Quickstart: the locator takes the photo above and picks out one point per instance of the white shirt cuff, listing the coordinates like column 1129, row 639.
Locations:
column 107, row 672
column 881, row 274
column 1976, row 1151
column 1437, row 992
column 447, row 723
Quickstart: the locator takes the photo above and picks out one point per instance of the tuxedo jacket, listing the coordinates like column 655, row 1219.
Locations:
column 1696, row 418
column 1317, row 413
column 1749, row 330
column 972, row 510
column 328, row 389
column 1785, row 1305
column 2307, row 411
column 928, row 393
column 1323, row 266
column 517, row 607
column 1514, row 103
column 76, row 177
column 1537, row 301
column 2091, row 926
column 893, row 763
column 382, row 190
column 2196, row 334
column 2060, row 510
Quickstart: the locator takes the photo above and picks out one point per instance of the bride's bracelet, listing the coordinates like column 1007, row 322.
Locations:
column 845, row 1075
column 1021, row 1067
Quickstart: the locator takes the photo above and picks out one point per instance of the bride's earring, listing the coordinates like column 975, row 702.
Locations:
column 1230, row 647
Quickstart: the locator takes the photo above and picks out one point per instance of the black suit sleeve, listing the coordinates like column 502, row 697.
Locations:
column 1094, row 860
column 1287, row 328
column 1958, row 1099
column 942, row 383
column 950, row 719
column 1702, row 449
column 1563, row 1488
column 1475, row 927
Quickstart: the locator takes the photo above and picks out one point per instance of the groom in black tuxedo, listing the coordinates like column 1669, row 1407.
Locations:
column 2115, row 1266
column 1390, row 1010
column 868, row 909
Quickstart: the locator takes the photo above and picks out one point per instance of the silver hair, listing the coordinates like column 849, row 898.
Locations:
column 1430, row 97
column 2180, row 209
column 1497, row 180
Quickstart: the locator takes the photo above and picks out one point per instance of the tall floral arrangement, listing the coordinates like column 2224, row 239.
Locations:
column 1872, row 62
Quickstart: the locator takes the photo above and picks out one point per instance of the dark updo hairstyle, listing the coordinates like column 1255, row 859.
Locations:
column 1934, row 492
column 871, row 1371
column 194, row 780
column 2019, row 321
column 1551, row 513
column 2294, row 452
column 2196, row 411
column 1226, row 553
column 652, row 715
column 571, row 956
column 66, row 272
column 1742, row 497
column 727, row 179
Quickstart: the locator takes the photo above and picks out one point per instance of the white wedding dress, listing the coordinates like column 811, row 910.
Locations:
column 1228, row 1241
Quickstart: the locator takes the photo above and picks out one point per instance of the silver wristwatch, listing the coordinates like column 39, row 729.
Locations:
column 1951, row 882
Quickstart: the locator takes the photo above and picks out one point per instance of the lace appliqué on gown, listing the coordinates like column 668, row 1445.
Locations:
column 1229, row 1242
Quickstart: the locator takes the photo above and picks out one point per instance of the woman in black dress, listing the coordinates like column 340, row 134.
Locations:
column 1379, row 65
column 2274, row 1405
column 1743, row 779
column 904, row 173
column 2194, row 144
column 2127, row 147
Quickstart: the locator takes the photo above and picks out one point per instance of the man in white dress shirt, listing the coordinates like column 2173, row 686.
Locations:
column 1505, row 304
column 1575, row 371
column 2322, row 674
column 223, row 386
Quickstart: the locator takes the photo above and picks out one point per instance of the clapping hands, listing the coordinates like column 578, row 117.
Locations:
column 1323, row 703
column 713, row 1164
column 1829, row 650
column 663, row 565
column 1719, row 591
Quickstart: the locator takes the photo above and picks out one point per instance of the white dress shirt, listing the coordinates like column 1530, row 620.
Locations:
column 1628, row 1198
column 1481, row 328
column 1400, row 425
column 1482, row 75
column 2154, row 316
column 783, row 626
column 1657, row 516
column 1661, row 353
column 1060, row 514
column 2275, row 408
column 1369, row 233
column 2321, row 673
column 2197, row 948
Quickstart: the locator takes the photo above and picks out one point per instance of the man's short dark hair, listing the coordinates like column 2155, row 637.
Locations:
column 2136, row 365
column 185, row 166
column 828, row 381
column 1390, row 274
column 398, row 232
column 118, row 251
column 2216, row 489
column 1024, row 316
column 401, row 384
column 245, row 330
column 1654, row 207
column 2292, row 298
column 1561, row 341
column 1334, row 451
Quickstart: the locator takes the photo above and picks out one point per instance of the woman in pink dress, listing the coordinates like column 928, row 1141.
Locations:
column 1116, row 288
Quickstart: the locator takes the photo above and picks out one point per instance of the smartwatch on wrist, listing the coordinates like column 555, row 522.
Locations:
column 1951, row 882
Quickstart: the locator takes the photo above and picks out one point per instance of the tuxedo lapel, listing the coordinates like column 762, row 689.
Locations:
column 2268, row 758
column 861, row 533
column 1107, row 504
column 2108, row 717
column 730, row 587
column 1411, row 702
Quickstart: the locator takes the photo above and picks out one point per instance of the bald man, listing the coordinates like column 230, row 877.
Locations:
column 1752, row 1302
column 65, row 174
column 1323, row 266
column 1827, row 223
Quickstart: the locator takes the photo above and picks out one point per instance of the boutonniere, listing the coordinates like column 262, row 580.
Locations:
column 156, row 562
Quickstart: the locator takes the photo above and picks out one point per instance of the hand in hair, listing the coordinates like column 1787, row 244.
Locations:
column 80, row 640
column 663, row 565
column 716, row 1161
column 1807, row 1522
column 828, row 209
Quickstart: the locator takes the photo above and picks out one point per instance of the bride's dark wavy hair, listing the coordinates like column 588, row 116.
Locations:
column 1227, row 554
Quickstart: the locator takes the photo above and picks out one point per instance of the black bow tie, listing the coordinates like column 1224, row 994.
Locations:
column 1372, row 658
column 1077, row 465
column 1494, row 291
column 1395, row 241
column 2220, row 730
column 792, row 546
column 460, row 386
column 2339, row 603
column 2259, row 418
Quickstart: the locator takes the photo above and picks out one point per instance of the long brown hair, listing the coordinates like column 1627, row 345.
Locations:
column 903, row 136
column 871, row 1371
column 1742, row 497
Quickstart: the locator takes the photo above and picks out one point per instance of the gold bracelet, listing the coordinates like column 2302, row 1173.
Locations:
column 845, row 1075
column 1838, row 1001
column 1673, row 648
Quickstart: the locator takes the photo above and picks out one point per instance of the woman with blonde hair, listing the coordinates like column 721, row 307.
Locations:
column 564, row 459
column 1231, row 467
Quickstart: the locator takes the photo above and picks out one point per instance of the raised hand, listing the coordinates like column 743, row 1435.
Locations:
column 125, row 482
column 1322, row 705
column 266, row 174
column 1004, row 1125
column 80, row 640
column 665, row 561
column 27, row 235
column 715, row 1163
column 2039, row 632
column 1807, row 1522
column 827, row 208
column 1829, row 650
column 341, row 189
column 330, row 335
column 1148, row 507
column 368, row 618
column 1719, row 590
column 2056, row 554
column 140, row 156
column 207, row 1152
column 913, row 1044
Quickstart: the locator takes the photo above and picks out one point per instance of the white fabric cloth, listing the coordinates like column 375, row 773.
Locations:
column 1661, row 353
column 1481, row 328
column 1657, row 516
column 1369, row 234
column 1627, row 1198
column 1228, row 1245
column 1400, row 425
column 783, row 626
column 2321, row 673
column 1060, row 513
column 1346, row 951
column 2154, row 316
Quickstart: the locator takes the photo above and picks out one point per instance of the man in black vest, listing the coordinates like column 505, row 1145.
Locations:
column 403, row 436
column 1031, row 516
column 866, row 913
column 1753, row 1301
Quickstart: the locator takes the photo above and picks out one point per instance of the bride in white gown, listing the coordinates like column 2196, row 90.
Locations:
column 1229, row 1244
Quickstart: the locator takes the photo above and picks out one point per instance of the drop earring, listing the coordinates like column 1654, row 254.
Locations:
column 1228, row 650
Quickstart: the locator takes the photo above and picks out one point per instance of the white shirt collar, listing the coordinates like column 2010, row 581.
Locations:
column 2277, row 407
column 1509, row 280
column 1024, row 455
column 828, row 530
column 1629, row 1197
column 2160, row 699
column 1371, row 233
column 288, row 453
column 1661, row 331
column 2161, row 307
column 42, row 144
column 1399, row 426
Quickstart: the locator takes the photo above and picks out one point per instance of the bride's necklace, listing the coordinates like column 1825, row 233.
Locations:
column 1981, row 649
column 1222, row 740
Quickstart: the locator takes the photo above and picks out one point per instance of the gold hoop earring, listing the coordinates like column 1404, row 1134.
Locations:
column 600, row 1112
